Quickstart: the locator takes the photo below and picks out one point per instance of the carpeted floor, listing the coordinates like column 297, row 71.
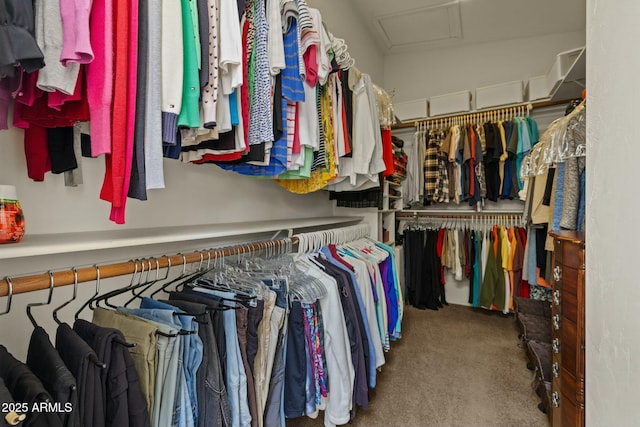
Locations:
column 458, row 366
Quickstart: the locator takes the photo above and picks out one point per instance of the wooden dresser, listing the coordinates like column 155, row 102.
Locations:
column 568, row 330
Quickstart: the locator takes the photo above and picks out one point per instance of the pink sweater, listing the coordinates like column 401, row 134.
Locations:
column 100, row 77
column 76, row 46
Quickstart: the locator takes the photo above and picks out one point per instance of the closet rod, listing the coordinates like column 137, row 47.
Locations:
column 403, row 217
column 454, row 214
column 534, row 105
column 37, row 282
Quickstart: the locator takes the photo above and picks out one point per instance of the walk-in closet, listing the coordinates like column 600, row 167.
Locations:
column 304, row 213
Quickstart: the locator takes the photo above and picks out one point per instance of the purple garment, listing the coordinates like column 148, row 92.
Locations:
column 384, row 268
column 392, row 294
column 310, row 386
column 321, row 386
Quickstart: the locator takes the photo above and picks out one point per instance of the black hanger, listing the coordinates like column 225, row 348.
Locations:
column 240, row 298
column 184, row 277
column 148, row 285
column 105, row 297
column 37, row 304
column 75, row 294
column 187, row 313
column 87, row 303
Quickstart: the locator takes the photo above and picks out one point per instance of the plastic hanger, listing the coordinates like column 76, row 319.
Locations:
column 37, row 304
column 75, row 294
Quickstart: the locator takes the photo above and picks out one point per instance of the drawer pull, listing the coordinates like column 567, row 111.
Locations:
column 555, row 345
column 555, row 399
column 556, row 297
column 557, row 273
column 556, row 370
column 556, row 322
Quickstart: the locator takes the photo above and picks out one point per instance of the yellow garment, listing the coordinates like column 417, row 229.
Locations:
column 322, row 176
column 505, row 252
column 512, row 256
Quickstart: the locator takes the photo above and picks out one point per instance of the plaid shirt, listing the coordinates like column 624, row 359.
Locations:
column 430, row 167
column 442, row 186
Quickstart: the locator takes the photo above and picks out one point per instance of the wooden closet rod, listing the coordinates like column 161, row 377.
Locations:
column 37, row 282
column 453, row 214
column 507, row 215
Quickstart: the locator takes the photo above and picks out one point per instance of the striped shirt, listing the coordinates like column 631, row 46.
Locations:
column 260, row 119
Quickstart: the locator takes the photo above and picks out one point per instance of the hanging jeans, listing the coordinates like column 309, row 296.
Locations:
column 191, row 357
column 168, row 360
column 236, row 376
column 274, row 411
column 260, row 363
column 213, row 403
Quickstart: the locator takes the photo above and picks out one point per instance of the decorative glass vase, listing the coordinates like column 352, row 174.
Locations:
column 11, row 217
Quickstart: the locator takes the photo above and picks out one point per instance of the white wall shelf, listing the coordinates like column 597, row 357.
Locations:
column 49, row 244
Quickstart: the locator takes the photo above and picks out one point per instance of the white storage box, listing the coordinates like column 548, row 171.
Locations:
column 450, row 103
column 563, row 63
column 411, row 110
column 537, row 88
column 501, row 94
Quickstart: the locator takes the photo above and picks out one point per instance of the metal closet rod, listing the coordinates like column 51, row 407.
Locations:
column 37, row 282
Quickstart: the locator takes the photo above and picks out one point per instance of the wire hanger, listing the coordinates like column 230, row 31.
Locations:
column 9, row 296
column 95, row 301
column 148, row 284
column 37, row 304
column 87, row 302
column 75, row 294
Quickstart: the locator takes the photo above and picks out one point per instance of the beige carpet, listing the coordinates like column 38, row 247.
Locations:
column 458, row 366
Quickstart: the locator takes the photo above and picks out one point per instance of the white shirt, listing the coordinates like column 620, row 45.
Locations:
column 364, row 284
column 337, row 351
column 172, row 56
column 275, row 45
column 230, row 45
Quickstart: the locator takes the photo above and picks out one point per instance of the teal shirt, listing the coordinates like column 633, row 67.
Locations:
column 190, row 112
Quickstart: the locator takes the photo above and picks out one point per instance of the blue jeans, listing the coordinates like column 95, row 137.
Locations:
column 236, row 375
column 191, row 357
column 213, row 402
column 168, row 361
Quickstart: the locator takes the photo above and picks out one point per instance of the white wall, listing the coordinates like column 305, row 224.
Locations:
column 344, row 21
column 427, row 73
column 195, row 194
column 613, row 294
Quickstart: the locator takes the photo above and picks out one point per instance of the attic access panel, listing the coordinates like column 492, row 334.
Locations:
column 422, row 26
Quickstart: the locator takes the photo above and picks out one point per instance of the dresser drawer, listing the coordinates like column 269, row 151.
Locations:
column 568, row 280
column 572, row 413
column 572, row 255
column 570, row 308
column 569, row 346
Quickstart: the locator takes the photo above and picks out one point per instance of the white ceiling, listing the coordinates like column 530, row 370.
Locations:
column 401, row 25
